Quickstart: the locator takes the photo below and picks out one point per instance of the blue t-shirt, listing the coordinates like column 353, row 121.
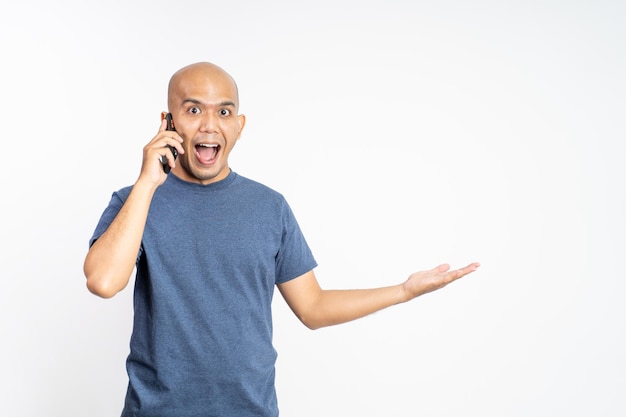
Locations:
column 202, row 334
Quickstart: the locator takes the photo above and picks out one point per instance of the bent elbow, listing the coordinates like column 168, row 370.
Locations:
column 103, row 281
column 102, row 285
column 101, row 288
column 311, row 322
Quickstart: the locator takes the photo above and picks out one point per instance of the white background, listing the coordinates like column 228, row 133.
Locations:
column 403, row 133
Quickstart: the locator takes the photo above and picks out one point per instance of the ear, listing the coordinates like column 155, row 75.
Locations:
column 241, row 119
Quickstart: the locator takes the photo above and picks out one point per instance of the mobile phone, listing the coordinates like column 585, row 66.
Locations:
column 170, row 126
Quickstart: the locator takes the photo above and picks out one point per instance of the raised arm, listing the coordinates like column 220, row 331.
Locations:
column 317, row 307
column 111, row 259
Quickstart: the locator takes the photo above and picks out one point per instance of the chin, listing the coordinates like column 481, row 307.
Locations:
column 205, row 174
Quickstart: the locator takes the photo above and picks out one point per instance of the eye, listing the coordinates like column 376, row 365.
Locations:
column 194, row 110
column 224, row 112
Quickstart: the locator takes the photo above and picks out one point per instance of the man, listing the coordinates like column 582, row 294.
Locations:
column 209, row 246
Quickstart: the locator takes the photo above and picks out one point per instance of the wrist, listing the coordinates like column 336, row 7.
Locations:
column 404, row 294
column 145, row 185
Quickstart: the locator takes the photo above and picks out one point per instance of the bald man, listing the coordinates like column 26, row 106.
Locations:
column 209, row 247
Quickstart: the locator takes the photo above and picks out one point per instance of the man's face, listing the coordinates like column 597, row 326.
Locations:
column 204, row 106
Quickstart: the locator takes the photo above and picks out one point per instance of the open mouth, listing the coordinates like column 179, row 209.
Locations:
column 207, row 152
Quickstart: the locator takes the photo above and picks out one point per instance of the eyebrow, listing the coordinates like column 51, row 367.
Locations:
column 225, row 103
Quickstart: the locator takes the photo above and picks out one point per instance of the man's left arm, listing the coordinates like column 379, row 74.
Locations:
column 317, row 307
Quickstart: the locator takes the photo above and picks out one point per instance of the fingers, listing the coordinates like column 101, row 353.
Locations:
column 171, row 134
column 424, row 282
column 442, row 275
column 470, row 268
column 163, row 126
column 158, row 156
column 461, row 272
column 168, row 144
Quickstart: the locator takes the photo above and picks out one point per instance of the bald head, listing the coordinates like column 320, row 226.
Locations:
column 204, row 103
column 200, row 73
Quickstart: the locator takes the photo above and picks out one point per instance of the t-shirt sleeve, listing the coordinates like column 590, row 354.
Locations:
column 294, row 257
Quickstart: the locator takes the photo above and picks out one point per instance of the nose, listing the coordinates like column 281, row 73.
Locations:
column 209, row 123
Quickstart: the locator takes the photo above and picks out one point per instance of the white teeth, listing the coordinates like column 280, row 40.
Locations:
column 207, row 145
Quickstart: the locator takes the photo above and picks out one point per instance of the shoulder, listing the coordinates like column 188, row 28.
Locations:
column 262, row 198
column 122, row 193
column 257, row 187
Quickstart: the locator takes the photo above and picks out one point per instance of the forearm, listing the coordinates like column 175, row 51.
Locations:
column 111, row 259
column 340, row 306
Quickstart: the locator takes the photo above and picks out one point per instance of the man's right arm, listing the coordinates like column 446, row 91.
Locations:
column 111, row 259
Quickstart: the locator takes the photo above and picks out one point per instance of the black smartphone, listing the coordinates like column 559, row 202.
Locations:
column 170, row 126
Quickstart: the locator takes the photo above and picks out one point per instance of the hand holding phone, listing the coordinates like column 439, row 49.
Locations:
column 170, row 127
